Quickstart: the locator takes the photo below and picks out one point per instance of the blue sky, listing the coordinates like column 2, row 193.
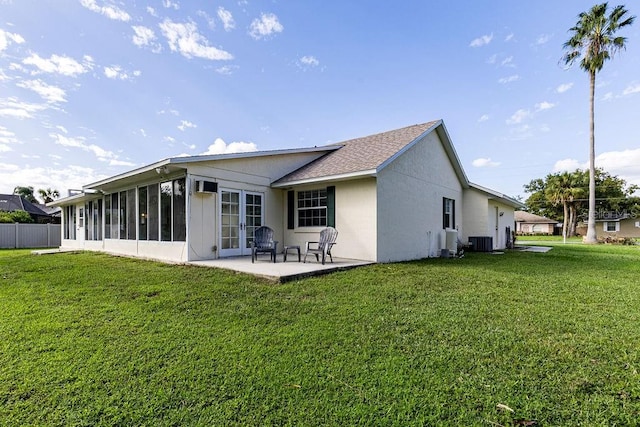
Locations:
column 93, row 88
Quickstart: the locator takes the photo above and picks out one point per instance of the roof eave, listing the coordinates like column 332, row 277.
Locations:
column 174, row 164
column 76, row 198
column 502, row 197
column 328, row 178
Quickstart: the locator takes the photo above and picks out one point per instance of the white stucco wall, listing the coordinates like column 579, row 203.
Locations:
column 410, row 193
column 355, row 220
column 475, row 214
column 482, row 217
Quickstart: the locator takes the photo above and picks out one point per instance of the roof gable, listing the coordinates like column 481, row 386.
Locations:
column 368, row 155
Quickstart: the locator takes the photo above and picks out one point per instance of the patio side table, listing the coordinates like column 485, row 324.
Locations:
column 287, row 248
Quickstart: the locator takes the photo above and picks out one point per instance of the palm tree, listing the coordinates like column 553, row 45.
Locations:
column 48, row 195
column 593, row 39
column 558, row 191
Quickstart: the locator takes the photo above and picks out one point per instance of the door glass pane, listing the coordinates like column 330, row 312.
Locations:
column 179, row 210
column 153, row 212
column 166, row 190
column 143, row 214
column 253, row 216
column 230, row 220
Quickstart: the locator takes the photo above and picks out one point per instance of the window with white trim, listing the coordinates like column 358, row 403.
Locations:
column 448, row 213
column 312, row 208
column 611, row 226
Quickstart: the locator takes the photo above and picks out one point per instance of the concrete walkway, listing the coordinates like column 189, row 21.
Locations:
column 523, row 247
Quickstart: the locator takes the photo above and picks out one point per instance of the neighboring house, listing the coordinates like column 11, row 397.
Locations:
column 14, row 202
column 615, row 224
column 393, row 196
column 54, row 212
column 528, row 223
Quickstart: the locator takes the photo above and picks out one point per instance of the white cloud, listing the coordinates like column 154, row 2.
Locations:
column 151, row 11
column 171, row 4
column 510, row 79
column 12, row 107
column 509, row 37
column 483, row 118
column 624, row 164
column 634, row 88
column 6, row 136
column 567, row 165
column 59, row 64
column 116, row 73
column 6, row 38
column 184, row 38
column 508, row 62
column 607, row 96
column 543, row 38
column 265, row 26
column 100, row 153
column 61, row 179
column 492, row 59
column 520, row 133
column 519, row 116
column 210, row 21
column 564, row 87
column 184, row 124
column 309, row 60
column 227, row 19
column 482, row 41
column 110, row 11
column 221, row 147
column 226, row 70
column 49, row 93
column 485, row 163
column 541, row 106
column 4, row 148
column 145, row 36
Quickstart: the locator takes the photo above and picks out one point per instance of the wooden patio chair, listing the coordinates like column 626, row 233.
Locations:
column 263, row 243
column 322, row 247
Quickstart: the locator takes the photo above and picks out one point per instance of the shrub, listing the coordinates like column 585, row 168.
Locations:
column 15, row 216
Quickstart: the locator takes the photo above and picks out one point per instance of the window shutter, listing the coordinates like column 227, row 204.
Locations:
column 331, row 206
column 291, row 210
column 444, row 212
column 453, row 213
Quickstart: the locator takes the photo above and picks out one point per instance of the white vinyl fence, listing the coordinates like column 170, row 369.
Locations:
column 15, row 236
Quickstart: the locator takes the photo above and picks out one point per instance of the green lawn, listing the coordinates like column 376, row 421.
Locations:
column 88, row 339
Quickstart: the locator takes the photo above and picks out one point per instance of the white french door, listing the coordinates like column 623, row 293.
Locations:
column 241, row 212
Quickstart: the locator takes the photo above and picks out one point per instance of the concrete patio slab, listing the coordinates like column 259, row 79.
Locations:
column 281, row 271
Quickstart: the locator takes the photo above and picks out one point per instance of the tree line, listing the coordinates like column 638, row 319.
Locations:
column 564, row 196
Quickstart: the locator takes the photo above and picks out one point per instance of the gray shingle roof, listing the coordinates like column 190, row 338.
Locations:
column 522, row 216
column 360, row 154
column 14, row 202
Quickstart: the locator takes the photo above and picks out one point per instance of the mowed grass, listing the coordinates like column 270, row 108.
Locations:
column 515, row 339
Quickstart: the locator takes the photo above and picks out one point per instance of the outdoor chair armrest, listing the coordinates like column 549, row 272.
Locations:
column 310, row 243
